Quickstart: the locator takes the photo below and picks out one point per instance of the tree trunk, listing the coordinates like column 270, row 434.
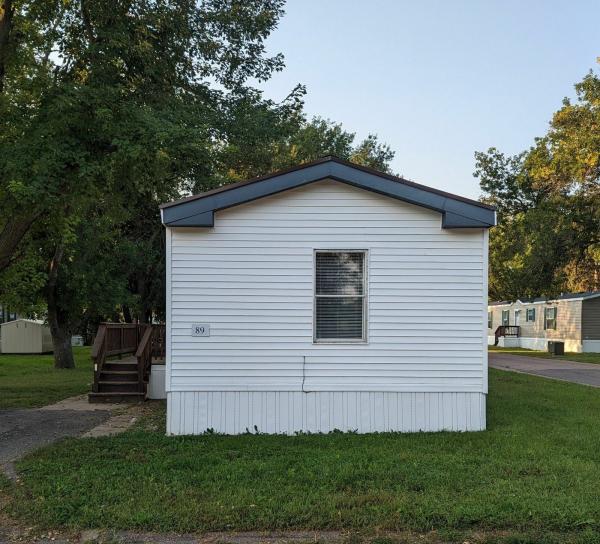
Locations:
column 6, row 15
column 61, row 342
column 59, row 326
column 128, row 318
column 142, row 291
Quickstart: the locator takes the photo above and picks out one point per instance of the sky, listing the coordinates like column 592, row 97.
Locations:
column 437, row 80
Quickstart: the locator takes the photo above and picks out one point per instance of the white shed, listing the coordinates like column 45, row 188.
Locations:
column 329, row 296
column 25, row 336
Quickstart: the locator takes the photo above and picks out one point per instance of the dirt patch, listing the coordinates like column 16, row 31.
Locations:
column 12, row 534
column 115, row 424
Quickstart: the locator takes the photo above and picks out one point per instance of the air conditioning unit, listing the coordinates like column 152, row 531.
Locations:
column 556, row 348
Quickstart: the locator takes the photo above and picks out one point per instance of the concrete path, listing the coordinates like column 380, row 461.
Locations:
column 557, row 369
column 25, row 430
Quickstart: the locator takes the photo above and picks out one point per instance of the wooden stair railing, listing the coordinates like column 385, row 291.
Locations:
column 113, row 339
column 511, row 331
column 143, row 355
column 116, row 380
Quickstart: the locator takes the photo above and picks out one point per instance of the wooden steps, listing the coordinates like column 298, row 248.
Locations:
column 126, row 379
column 118, row 381
column 116, row 397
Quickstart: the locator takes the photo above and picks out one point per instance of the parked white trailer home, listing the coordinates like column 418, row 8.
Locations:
column 329, row 296
column 25, row 336
column 571, row 318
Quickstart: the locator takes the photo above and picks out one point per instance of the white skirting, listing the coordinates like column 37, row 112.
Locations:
column 509, row 342
column 156, row 385
column 541, row 344
column 286, row 412
column 591, row 346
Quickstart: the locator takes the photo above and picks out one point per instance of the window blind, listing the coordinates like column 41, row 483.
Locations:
column 340, row 295
column 550, row 318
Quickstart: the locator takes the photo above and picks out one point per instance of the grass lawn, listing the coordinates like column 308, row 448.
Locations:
column 29, row 381
column 569, row 356
column 536, row 470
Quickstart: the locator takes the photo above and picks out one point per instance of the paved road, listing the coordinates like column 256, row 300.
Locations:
column 22, row 431
column 558, row 369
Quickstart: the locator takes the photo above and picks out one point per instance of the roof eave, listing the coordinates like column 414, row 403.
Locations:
column 457, row 212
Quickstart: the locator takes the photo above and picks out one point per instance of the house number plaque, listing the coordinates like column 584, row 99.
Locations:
column 200, row 329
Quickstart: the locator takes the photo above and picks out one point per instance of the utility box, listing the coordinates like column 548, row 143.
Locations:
column 556, row 348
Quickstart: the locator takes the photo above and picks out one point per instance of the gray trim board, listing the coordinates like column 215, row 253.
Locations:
column 457, row 212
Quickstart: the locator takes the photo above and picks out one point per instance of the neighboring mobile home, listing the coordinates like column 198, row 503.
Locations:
column 572, row 318
column 25, row 336
column 329, row 296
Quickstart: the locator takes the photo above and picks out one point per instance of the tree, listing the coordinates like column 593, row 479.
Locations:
column 279, row 136
column 108, row 109
column 320, row 137
column 548, row 201
column 255, row 137
column 103, row 106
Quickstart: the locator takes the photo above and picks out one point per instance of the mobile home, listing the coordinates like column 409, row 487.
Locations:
column 572, row 318
column 329, row 296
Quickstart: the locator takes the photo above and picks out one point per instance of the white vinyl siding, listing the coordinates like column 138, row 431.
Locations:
column 251, row 279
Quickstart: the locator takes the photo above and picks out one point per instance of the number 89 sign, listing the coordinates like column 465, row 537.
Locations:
column 200, row 329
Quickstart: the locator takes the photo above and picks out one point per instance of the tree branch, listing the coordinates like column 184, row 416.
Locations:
column 15, row 229
column 87, row 22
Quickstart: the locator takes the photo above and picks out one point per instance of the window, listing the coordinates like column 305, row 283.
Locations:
column 490, row 319
column 550, row 318
column 530, row 314
column 505, row 317
column 340, row 296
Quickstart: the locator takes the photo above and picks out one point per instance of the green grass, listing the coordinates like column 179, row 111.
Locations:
column 29, row 381
column 569, row 356
column 535, row 471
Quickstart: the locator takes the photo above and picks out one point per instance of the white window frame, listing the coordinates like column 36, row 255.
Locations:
column 507, row 313
column 554, row 309
column 365, row 297
column 528, row 312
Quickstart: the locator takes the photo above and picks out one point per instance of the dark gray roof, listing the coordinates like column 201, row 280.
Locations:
column 562, row 296
column 457, row 211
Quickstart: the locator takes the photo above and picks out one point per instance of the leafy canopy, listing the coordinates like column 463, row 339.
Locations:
column 548, row 200
column 108, row 109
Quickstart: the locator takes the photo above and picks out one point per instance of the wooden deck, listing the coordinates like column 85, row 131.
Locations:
column 123, row 354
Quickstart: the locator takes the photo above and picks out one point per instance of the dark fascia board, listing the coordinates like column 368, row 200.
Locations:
column 457, row 212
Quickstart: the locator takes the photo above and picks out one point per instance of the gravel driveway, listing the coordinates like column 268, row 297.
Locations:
column 22, row 431
column 558, row 369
